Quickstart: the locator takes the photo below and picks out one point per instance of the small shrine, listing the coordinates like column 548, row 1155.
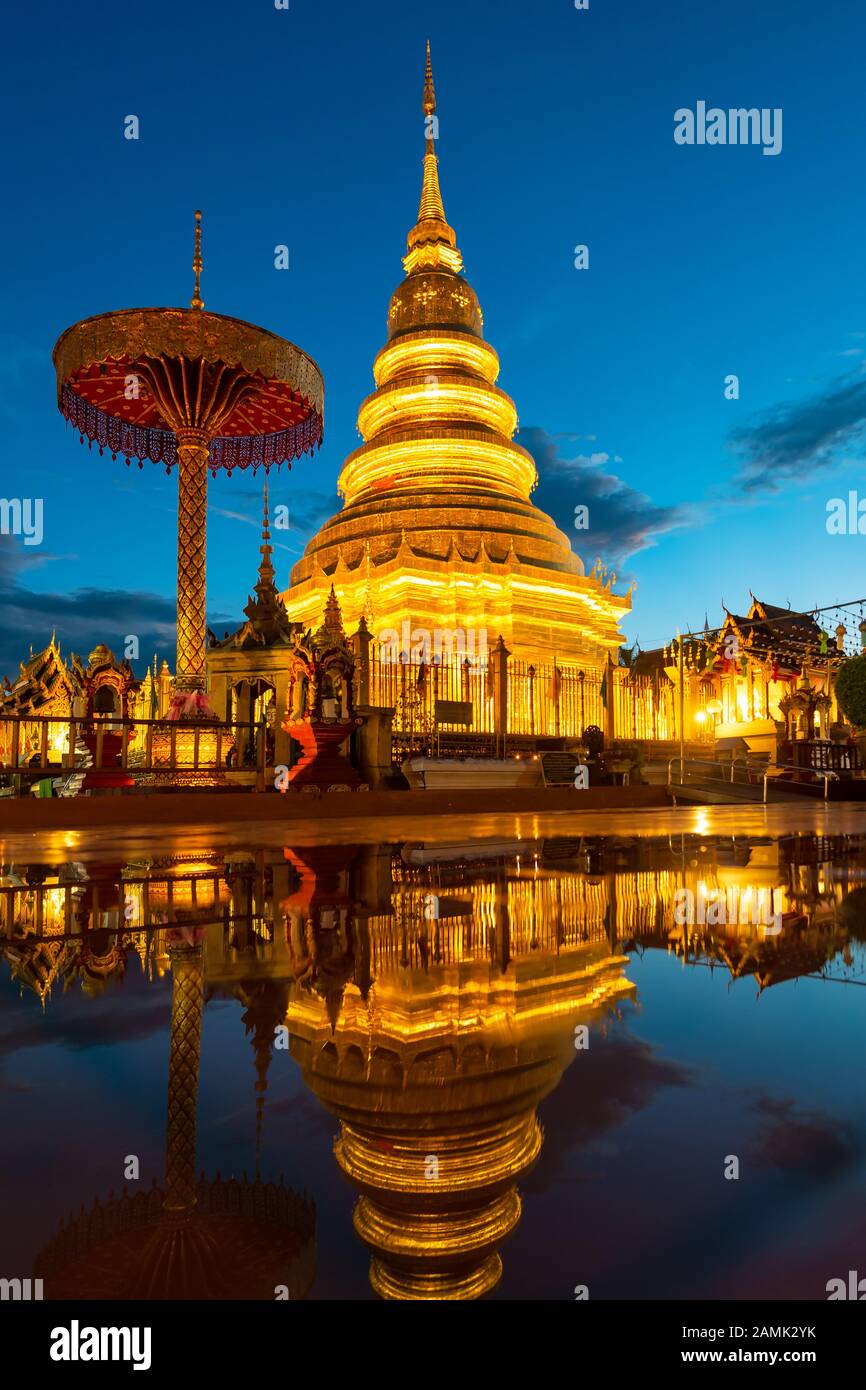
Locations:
column 107, row 691
column 108, row 687
column 249, row 670
column 320, row 711
column 44, row 689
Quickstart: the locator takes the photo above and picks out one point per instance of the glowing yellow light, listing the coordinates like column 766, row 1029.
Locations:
column 437, row 396
column 375, row 468
column 437, row 527
column 435, row 349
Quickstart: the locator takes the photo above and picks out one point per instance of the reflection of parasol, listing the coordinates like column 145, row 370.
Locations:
column 194, row 1239
column 185, row 387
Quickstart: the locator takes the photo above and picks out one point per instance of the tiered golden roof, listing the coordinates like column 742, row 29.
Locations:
column 437, row 525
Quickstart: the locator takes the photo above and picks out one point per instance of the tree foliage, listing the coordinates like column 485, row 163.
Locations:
column 851, row 691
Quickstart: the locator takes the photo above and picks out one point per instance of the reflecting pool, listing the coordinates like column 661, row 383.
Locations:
column 515, row 1065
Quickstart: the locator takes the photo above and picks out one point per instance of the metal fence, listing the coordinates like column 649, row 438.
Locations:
column 537, row 701
column 552, row 701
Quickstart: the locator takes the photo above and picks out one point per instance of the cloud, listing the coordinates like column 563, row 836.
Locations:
column 808, row 1144
column 622, row 521
column 613, row 1083
column 82, row 617
column 133, row 1009
column 307, row 512
column 791, row 441
column 235, row 516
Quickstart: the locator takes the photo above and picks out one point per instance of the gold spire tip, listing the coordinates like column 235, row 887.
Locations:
column 429, row 89
column 197, row 302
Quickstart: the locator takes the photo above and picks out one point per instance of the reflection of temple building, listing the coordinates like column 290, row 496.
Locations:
column 324, row 917
column 437, row 529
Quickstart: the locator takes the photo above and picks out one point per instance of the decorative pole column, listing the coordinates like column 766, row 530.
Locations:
column 499, row 678
column 187, row 1002
column 192, row 457
column 360, row 645
column 681, row 703
column 180, row 1258
column 609, row 709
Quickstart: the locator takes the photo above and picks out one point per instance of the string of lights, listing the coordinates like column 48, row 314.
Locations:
column 849, row 614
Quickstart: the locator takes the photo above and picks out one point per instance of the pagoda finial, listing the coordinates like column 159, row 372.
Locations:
column 197, row 302
column 266, row 569
column 429, row 89
column 431, row 244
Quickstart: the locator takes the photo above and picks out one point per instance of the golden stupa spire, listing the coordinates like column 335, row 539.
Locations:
column 197, row 302
column 431, row 244
column 429, row 89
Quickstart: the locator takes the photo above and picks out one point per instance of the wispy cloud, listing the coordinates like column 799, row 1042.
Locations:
column 235, row 516
column 811, row 1144
column 794, row 440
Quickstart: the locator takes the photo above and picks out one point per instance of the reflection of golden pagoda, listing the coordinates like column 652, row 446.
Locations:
column 437, row 1073
column 437, row 529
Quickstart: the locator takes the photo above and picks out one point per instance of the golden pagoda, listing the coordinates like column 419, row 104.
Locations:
column 437, row 530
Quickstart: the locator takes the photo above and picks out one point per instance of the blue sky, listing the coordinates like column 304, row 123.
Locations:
column 304, row 127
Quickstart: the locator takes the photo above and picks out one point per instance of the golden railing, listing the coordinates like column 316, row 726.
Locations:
column 37, row 748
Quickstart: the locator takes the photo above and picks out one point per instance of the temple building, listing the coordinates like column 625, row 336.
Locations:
column 50, row 687
column 765, row 680
column 438, row 532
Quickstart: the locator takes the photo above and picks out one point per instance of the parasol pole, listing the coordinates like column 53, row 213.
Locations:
column 681, row 703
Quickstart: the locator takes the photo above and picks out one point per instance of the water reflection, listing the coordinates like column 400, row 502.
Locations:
column 432, row 997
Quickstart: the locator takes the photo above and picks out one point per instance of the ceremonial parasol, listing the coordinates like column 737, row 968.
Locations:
column 197, row 390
